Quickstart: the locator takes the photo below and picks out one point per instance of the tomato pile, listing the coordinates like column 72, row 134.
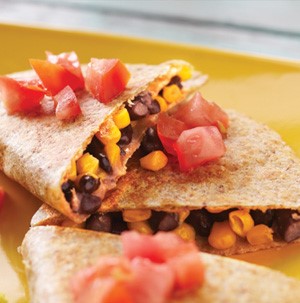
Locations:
column 60, row 77
column 151, row 270
column 194, row 132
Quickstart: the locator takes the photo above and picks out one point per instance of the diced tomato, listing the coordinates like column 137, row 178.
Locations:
column 200, row 112
column 106, row 78
column 20, row 95
column 69, row 61
column 2, row 194
column 56, row 76
column 168, row 130
column 199, row 145
column 151, row 282
column 188, row 270
column 67, row 104
column 158, row 248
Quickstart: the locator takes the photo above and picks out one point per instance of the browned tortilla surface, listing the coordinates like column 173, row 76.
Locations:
column 258, row 171
column 37, row 151
column 52, row 255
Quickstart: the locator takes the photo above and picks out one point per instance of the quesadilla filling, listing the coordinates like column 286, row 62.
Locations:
column 220, row 228
column 104, row 159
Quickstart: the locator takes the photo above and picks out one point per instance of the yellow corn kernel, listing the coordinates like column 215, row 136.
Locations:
column 241, row 222
column 215, row 210
column 183, row 214
column 109, row 133
column 121, row 118
column 135, row 215
column 154, row 161
column 142, row 227
column 73, row 172
column 162, row 103
column 172, row 93
column 87, row 164
column 185, row 231
column 112, row 152
column 260, row 234
column 186, row 72
column 221, row 235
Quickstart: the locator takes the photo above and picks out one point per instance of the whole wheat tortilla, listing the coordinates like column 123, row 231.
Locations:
column 37, row 151
column 52, row 255
column 258, row 171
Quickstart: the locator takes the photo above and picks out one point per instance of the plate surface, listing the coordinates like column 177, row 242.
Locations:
column 266, row 89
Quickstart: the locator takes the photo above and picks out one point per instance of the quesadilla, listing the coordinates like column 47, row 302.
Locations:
column 54, row 255
column 246, row 201
column 52, row 159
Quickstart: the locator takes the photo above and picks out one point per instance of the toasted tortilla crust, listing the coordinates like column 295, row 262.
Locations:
column 37, row 151
column 258, row 171
column 52, row 255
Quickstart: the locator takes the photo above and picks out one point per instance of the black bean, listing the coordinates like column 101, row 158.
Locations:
column 144, row 97
column 89, row 204
column 201, row 221
column 118, row 224
column 175, row 80
column 287, row 224
column 66, row 188
column 99, row 222
column 221, row 216
column 154, row 107
column 104, row 163
column 126, row 135
column 88, row 184
column 260, row 217
column 95, row 147
column 137, row 110
column 163, row 221
column 151, row 141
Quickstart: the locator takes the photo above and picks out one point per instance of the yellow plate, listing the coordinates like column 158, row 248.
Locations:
column 266, row 89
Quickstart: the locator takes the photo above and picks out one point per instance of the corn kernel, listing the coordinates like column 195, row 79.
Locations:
column 142, row 227
column 260, row 234
column 154, row 161
column 241, row 222
column 186, row 72
column 221, row 235
column 109, row 133
column 172, row 93
column 183, row 214
column 121, row 118
column 112, row 152
column 87, row 164
column 222, row 128
column 215, row 210
column 73, row 172
column 162, row 103
column 135, row 215
column 185, row 231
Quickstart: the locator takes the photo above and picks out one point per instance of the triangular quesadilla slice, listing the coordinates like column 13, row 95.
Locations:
column 52, row 158
column 54, row 255
column 246, row 201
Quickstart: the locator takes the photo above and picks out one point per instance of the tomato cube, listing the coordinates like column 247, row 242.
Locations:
column 67, row 104
column 56, row 76
column 106, row 78
column 199, row 145
column 199, row 112
column 168, row 130
column 20, row 96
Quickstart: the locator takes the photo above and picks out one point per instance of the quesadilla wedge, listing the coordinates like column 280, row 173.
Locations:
column 52, row 159
column 54, row 255
column 246, row 201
